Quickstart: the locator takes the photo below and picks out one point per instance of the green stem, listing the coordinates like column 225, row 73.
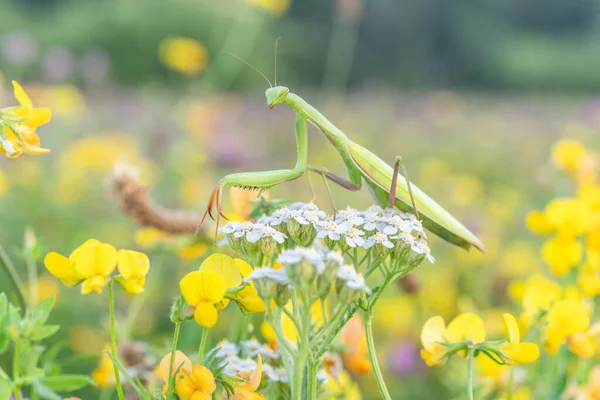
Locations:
column 32, row 280
column 511, row 382
column 470, row 374
column 313, row 369
column 303, row 350
column 16, row 367
column 173, row 350
column 373, row 356
column 113, row 339
column 204, row 336
column 13, row 277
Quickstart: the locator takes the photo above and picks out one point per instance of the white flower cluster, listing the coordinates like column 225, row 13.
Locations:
column 302, row 223
column 352, row 279
column 260, row 273
column 241, row 358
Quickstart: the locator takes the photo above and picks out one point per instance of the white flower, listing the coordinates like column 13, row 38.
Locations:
column 251, row 348
column 226, row 348
column 298, row 215
column 314, row 216
column 397, row 223
column 331, row 229
column 335, row 256
column 277, row 275
column 350, row 215
column 372, row 217
column 295, row 256
column 237, row 229
column 379, row 238
column 421, row 247
column 260, row 231
column 354, row 237
column 353, row 280
column 279, row 216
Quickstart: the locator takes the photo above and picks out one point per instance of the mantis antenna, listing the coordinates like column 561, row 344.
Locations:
column 251, row 66
column 275, row 61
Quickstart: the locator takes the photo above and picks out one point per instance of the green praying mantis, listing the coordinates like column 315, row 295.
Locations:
column 362, row 165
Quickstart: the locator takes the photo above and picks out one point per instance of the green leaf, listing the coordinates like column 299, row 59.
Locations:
column 45, row 392
column 42, row 332
column 30, row 355
column 5, row 388
column 41, row 312
column 67, row 382
column 144, row 395
column 50, row 356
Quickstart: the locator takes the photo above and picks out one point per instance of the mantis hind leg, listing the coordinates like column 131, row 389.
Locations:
column 392, row 197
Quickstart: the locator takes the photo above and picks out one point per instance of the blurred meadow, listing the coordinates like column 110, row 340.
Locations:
column 473, row 96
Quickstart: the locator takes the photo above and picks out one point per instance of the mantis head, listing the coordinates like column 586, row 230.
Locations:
column 276, row 95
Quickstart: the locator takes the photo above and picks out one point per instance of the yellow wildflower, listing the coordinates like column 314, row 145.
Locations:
column 246, row 390
column 569, row 216
column 276, row 8
column 514, row 350
column 193, row 382
column 561, row 254
column 95, row 261
column 589, row 282
column 21, row 137
column 203, row 290
column 104, row 375
column 192, row 251
column 184, row 55
column 537, row 222
column 342, row 387
column 64, row 268
column 432, row 337
column 584, row 343
column 567, row 154
column 539, row 293
column 133, row 267
column 565, row 318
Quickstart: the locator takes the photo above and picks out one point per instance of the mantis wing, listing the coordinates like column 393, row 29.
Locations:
column 378, row 175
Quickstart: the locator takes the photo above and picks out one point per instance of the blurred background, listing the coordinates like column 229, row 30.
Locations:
column 471, row 94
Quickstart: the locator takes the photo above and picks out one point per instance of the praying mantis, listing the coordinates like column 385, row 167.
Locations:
column 362, row 165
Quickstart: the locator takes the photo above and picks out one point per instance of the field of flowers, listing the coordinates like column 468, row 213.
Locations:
column 110, row 286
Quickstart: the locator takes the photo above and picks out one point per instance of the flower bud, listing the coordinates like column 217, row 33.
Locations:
column 303, row 234
column 282, row 295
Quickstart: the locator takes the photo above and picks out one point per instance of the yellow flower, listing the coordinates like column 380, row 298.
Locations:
column 584, row 343
column 276, row 8
column 569, row 216
column 104, row 375
column 466, row 327
column 183, row 55
column 539, row 293
column 193, row 382
column 192, row 251
column 95, row 261
column 565, row 318
column 249, row 300
column 432, row 337
column 148, row 237
column 246, row 390
column 64, row 268
column 562, row 253
column 515, row 351
column 342, row 387
column 21, row 136
column 133, row 267
column 589, row 282
column 227, row 268
column 537, row 222
column 567, row 154
column 202, row 290
column 241, row 201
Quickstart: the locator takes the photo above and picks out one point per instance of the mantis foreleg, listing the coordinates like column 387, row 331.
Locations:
column 265, row 179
